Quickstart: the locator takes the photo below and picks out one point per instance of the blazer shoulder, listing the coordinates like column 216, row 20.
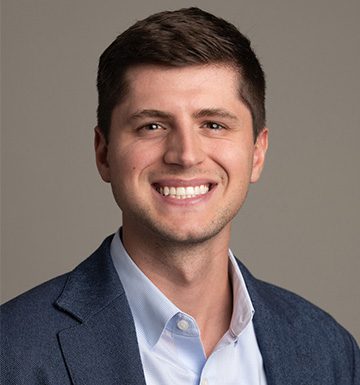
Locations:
column 35, row 299
column 29, row 326
column 292, row 305
column 32, row 322
column 286, row 322
column 33, row 313
column 283, row 302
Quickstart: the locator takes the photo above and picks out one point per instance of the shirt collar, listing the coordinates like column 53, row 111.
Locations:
column 243, row 310
column 152, row 310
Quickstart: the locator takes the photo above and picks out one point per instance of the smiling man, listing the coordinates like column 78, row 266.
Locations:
column 181, row 134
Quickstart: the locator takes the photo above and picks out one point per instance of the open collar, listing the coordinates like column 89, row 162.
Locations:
column 152, row 310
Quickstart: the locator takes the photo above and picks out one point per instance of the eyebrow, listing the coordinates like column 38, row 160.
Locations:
column 214, row 113
column 203, row 113
column 150, row 114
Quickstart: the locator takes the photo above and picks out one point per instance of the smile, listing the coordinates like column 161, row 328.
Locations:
column 183, row 192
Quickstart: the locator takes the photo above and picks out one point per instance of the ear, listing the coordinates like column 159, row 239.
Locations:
column 260, row 148
column 101, row 153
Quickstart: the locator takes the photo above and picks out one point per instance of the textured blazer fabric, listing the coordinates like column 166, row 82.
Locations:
column 78, row 329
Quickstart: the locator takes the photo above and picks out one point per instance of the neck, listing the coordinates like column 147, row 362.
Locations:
column 193, row 276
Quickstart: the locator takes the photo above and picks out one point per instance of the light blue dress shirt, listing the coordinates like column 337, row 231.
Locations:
column 169, row 339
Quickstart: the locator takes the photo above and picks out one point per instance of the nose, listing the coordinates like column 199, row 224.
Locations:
column 184, row 147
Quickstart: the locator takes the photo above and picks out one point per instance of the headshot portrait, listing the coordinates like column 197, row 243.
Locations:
column 180, row 193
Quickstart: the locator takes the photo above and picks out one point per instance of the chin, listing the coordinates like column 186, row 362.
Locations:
column 186, row 236
column 168, row 231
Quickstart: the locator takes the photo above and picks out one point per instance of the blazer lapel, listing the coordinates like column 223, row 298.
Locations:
column 281, row 359
column 284, row 358
column 102, row 348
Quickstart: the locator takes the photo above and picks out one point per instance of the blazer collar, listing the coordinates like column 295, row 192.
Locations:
column 102, row 348
column 92, row 285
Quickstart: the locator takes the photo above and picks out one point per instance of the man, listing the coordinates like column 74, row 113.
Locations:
column 181, row 134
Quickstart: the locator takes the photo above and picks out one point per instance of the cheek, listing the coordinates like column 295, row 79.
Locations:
column 130, row 161
column 235, row 159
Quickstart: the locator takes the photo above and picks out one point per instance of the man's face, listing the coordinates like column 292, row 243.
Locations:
column 181, row 152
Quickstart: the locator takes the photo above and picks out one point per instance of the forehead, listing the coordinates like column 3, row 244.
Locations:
column 191, row 85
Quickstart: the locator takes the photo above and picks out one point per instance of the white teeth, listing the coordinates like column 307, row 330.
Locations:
column 184, row 192
column 180, row 191
column 189, row 190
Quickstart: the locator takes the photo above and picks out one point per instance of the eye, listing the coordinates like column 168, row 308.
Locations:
column 214, row 126
column 151, row 130
column 151, row 127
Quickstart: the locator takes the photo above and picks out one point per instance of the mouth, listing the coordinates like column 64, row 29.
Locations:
column 183, row 192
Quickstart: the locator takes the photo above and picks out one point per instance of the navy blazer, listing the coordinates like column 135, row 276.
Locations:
column 78, row 329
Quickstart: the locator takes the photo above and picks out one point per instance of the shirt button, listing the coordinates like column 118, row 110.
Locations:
column 183, row 325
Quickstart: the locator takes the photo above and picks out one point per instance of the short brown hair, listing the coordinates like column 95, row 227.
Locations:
column 180, row 38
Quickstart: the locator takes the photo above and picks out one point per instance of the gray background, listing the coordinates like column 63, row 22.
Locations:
column 300, row 225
